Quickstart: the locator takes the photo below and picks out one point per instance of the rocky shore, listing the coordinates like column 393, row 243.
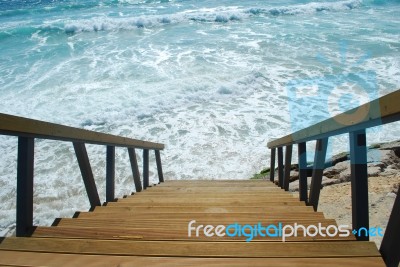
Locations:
column 383, row 184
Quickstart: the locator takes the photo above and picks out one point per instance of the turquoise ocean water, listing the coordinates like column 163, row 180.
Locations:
column 207, row 78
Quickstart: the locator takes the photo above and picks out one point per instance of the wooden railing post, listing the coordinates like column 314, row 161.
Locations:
column 391, row 240
column 110, row 174
column 159, row 166
column 272, row 166
column 145, row 168
column 303, row 186
column 288, row 165
column 135, row 169
column 25, row 167
column 318, row 169
column 280, row 167
column 87, row 174
column 359, row 182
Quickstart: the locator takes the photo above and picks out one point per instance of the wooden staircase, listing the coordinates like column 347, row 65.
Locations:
column 150, row 228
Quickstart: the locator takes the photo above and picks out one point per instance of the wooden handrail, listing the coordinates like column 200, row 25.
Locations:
column 27, row 130
column 379, row 111
column 19, row 126
column 353, row 122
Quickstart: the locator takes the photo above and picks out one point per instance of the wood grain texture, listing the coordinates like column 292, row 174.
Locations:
column 60, row 260
column 162, row 233
column 193, row 249
column 152, row 230
column 19, row 126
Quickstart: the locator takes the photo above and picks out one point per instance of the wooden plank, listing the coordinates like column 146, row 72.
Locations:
column 209, row 204
column 214, row 194
column 19, row 126
column 166, row 233
column 209, row 201
column 193, row 249
column 179, row 209
column 73, row 260
column 204, row 215
column 383, row 110
column 223, row 187
column 199, row 197
column 176, row 223
column 215, row 185
column 211, row 182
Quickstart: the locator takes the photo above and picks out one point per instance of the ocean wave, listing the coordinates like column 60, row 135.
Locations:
column 19, row 8
column 203, row 15
column 307, row 8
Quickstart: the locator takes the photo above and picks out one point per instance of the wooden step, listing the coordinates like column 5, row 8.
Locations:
column 183, row 209
column 234, row 195
column 207, row 203
column 201, row 215
column 16, row 258
column 266, row 190
column 163, row 233
column 150, row 228
column 194, row 249
column 179, row 223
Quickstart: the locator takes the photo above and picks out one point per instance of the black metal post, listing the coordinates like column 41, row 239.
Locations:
column 159, row 166
column 391, row 240
column 135, row 169
column 272, row 168
column 110, row 174
column 25, row 167
column 303, row 186
column 87, row 174
column 280, row 167
column 359, row 183
column 288, row 165
column 145, row 168
column 318, row 169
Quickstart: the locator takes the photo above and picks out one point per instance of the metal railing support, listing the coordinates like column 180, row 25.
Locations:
column 318, row 169
column 303, row 186
column 272, row 166
column 359, row 183
column 159, row 166
column 145, row 168
column 280, row 167
column 391, row 240
column 87, row 174
column 110, row 174
column 288, row 165
column 135, row 169
column 25, row 167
